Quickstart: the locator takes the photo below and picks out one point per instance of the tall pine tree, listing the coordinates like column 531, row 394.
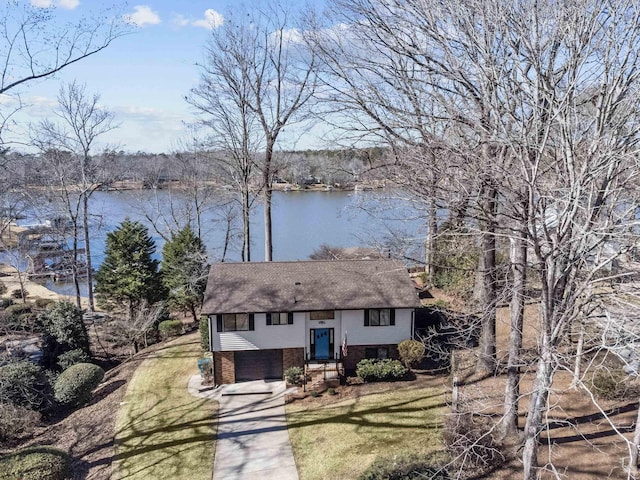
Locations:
column 184, row 270
column 129, row 275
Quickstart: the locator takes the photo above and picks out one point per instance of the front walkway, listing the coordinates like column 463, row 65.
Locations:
column 252, row 440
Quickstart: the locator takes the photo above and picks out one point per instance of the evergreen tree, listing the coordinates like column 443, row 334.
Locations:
column 129, row 275
column 184, row 270
column 63, row 331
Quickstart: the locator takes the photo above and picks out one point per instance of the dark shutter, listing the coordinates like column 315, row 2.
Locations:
column 252, row 323
column 312, row 343
column 219, row 322
column 392, row 316
column 268, row 319
column 331, row 344
column 366, row 318
column 290, row 318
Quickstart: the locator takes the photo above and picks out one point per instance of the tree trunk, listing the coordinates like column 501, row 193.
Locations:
column 430, row 268
column 487, row 264
column 577, row 370
column 87, row 249
column 74, row 266
column 266, row 178
column 518, row 254
column 246, row 228
column 633, row 453
column 537, row 408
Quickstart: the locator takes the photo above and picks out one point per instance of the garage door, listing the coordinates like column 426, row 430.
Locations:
column 258, row 365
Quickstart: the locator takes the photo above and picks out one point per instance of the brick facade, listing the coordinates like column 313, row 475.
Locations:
column 224, row 369
column 292, row 357
column 356, row 353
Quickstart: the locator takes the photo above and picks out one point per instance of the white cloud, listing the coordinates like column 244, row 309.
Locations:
column 289, row 36
column 180, row 20
column 211, row 20
column 66, row 4
column 143, row 15
column 42, row 3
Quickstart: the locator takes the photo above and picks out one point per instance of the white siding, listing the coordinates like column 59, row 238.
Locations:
column 263, row 337
column 358, row 334
column 297, row 335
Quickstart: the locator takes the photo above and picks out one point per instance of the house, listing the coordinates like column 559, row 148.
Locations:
column 265, row 317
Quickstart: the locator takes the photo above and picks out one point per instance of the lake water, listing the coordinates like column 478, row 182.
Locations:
column 302, row 222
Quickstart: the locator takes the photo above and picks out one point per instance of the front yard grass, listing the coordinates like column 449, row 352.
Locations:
column 341, row 440
column 161, row 430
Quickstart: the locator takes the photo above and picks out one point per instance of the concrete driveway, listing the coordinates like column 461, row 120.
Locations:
column 253, row 441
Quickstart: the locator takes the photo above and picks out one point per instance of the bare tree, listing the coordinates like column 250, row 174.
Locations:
column 420, row 76
column 35, row 45
column 257, row 77
column 81, row 121
column 542, row 99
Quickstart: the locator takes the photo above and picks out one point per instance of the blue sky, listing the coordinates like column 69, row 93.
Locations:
column 142, row 77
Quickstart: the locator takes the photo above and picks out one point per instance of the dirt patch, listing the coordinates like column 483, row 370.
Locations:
column 581, row 441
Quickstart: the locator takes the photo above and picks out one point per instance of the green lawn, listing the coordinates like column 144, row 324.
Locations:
column 340, row 441
column 162, row 432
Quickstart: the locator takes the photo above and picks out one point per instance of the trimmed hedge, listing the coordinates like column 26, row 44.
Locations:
column 72, row 357
column 75, row 385
column 371, row 370
column 404, row 468
column 411, row 352
column 36, row 463
column 170, row 328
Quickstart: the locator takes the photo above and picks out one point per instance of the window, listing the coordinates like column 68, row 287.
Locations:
column 235, row 322
column 280, row 318
column 379, row 317
column 378, row 353
column 322, row 315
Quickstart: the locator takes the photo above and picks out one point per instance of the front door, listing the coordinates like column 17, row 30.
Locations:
column 321, row 343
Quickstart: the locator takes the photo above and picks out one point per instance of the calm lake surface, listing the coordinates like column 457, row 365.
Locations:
column 302, row 222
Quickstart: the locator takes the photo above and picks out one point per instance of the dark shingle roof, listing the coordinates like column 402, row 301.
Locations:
column 308, row 286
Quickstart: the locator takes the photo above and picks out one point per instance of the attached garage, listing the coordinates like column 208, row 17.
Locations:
column 258, row 365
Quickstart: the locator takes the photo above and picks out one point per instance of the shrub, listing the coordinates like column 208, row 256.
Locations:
column 3, row 288
column 5, row 302
column 470, row 439
column 24, row 384
column 64, row 330
column 16, row 421
column 411, row 352
column 77, row 355
column 18, row 309
column 19, row 293
column 43, row 303
column 292, row 375
column 75, row 385
column 331, row 391
column 170, row 328
column 36, row 463
column 314, row 393
column 609, row 384
column 203, row 326
column 405, row 467
column 371, row 370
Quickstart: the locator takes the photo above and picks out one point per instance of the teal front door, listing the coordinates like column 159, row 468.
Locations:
column 321, row 343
